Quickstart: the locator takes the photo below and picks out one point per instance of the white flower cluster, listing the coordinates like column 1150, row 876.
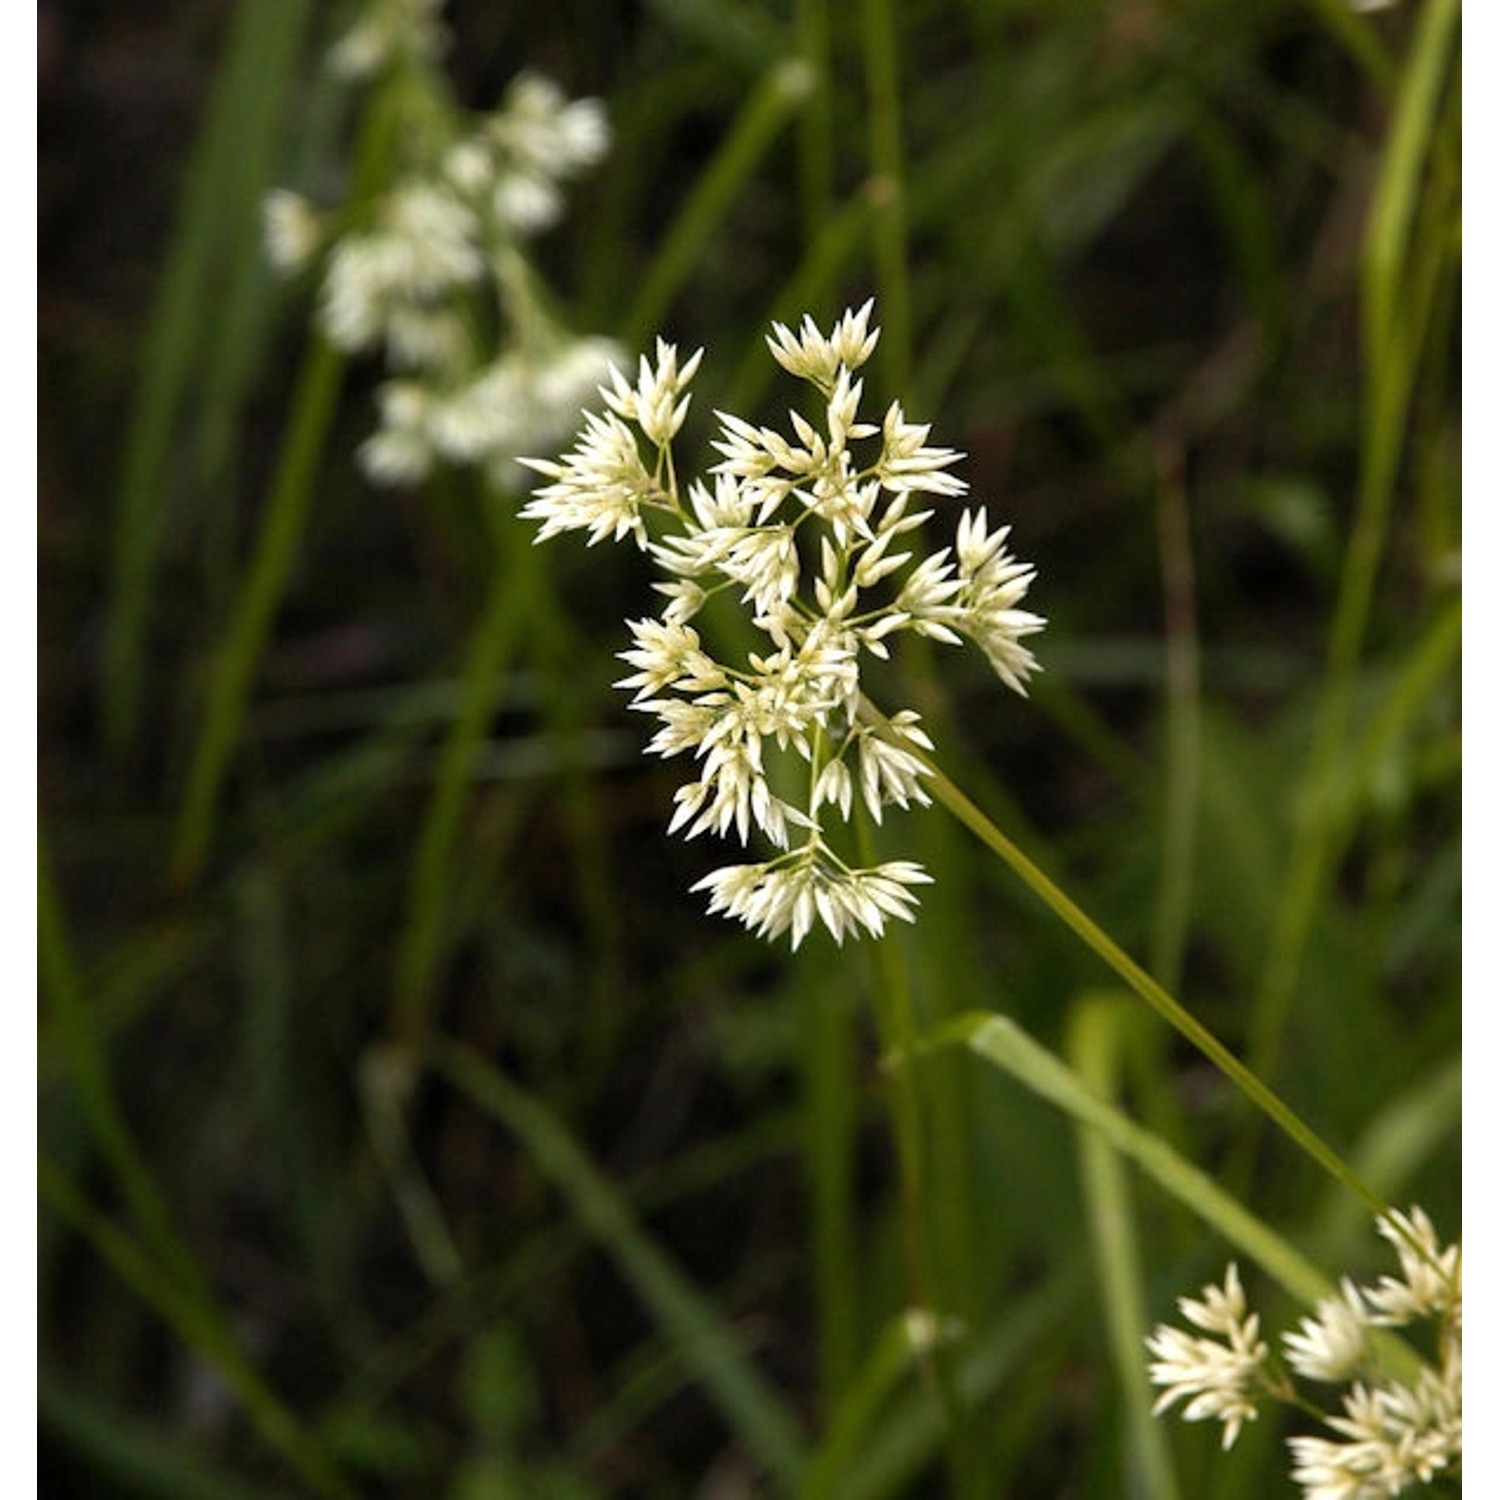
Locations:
column 1390, row 1434
column 1218, row 1374
column 432, row 264
column 817, row 537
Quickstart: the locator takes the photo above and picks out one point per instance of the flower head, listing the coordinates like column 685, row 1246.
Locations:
column 812, row 532
column 1387, row 1434
column 429, row 260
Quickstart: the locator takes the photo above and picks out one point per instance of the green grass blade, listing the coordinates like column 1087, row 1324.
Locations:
column 421, row 946
column 857, row 1415
column 277, row 543
column 882, row 61
column 73, row 1026
column 1149, row 989
column 1094, row 1045
column 1432, row 661
column 1396, row 305
column 202, row 1332
column 686, row 1316
column 783, row 90
column 239, row 655
column 243, row 113
column 1001, row 1042
column 1398, row 189
column 910, row 1435
column 129, row 1453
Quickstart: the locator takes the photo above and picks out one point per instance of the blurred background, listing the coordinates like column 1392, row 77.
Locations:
column 407, row 1127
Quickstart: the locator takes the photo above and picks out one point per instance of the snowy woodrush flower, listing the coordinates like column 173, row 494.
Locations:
column 813, row 534
column 1333, row 1344
column 1387, row 1434
column 1431, row 1277
column 424, row 269
column 1219, row 1375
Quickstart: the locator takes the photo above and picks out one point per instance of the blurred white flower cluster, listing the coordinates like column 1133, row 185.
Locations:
column 1389, row 1434
column 434, row 273
column 816, row 536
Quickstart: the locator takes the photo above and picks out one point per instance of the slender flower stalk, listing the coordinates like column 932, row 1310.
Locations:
column 1388, row 1434
column 815, row 535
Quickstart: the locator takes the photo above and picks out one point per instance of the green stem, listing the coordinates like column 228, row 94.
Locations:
column 276, row 547
column 1183, row 721
column 201, row 1330
column 895, row 1017
column 421, row 945
column 785, row 87
column 1149, row 989
column 241, row 118
column 882, row 50
column 1401, row 172
column 815, row 128
column 829, row 1119
column 73, row 1024
column 1396, row 307
column 239, row 655
column 1095, row 1036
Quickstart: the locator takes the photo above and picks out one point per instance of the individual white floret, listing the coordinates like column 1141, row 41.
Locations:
column 1333, row 1343
column 653, row 403
column 421, row 336
column 808, row 354
column 844, row 425
column 545, row 133
column 1218, row 1376
column 889, row 771
column 400, row 451
column 762, row 560
column 907, row 463
column 994, row 583
column 524, row 399
column 598, row 487
column 732, row 793
column 1431, row 1279
column 668, row 655
column 423, row 245
column 525, row 202
column 293, row 230
column 777, row 898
